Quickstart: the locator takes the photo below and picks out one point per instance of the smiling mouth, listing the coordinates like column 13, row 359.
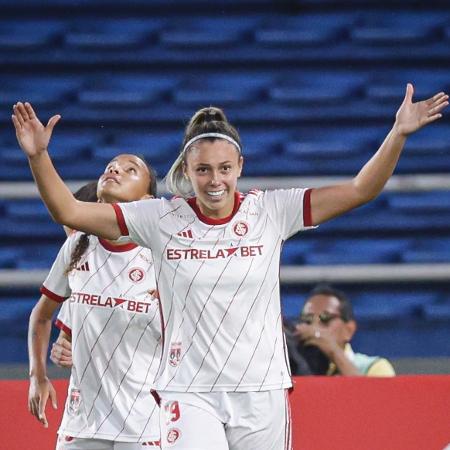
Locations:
column 216, row 194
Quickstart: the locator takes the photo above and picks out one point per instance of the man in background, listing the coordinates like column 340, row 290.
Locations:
column 320, row 343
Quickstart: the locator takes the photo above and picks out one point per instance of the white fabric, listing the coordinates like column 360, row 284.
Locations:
column 219, row 289
column 116, row 346
column 225, row 421
column 69, row 443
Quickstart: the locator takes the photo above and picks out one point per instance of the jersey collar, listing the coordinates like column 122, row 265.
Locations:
column 238, row 197
column 117, row 247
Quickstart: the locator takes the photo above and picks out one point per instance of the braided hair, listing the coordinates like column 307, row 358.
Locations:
column 87, row 193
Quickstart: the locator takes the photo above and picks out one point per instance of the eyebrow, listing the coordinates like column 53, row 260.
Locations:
column 220, row 164
column 128, row 160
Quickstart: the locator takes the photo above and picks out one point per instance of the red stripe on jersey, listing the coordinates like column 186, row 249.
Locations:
column 307, row 216
column 209, row 220
column 116, row 247
column 120, row 220
column 57, row 298
column 63, row 327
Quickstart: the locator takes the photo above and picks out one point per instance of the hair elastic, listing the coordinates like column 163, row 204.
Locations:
column 212, row 135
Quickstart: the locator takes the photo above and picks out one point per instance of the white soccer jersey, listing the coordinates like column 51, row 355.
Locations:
column 116, row 340
column 218, row 282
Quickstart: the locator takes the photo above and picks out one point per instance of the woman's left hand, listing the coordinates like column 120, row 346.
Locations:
column 411, row 116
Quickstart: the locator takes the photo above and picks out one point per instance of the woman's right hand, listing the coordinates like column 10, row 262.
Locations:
column 61, row 353
column 39, row 392
column 32, row 136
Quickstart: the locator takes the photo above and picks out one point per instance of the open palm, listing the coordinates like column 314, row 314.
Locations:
column 31, row 134
column 411, row 116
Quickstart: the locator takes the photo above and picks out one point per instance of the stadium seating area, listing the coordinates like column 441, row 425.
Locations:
column 313, row 86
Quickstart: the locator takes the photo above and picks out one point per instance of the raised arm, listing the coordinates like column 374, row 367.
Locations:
column 38, row 339
column 33, row 137
column 332, row 201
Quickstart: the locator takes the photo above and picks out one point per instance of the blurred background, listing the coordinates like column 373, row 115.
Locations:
column 313, row 87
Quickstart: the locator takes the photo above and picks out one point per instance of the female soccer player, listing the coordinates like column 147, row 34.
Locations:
column 224, row 370
column 113, row 324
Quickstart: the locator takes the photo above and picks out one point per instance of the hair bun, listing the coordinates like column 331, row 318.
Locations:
column 207, row 115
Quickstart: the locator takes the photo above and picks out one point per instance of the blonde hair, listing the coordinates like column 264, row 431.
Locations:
column 204, row 121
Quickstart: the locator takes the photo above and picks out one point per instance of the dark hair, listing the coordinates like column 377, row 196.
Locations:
column 205, row 120
column 345, row 306
column 86, row 193
column 152, row 185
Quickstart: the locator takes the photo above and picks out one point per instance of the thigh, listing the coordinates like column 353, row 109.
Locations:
column 71, row 443
column 188, row 427
column 260, row 420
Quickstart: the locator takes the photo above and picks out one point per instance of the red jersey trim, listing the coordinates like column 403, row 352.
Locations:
column 117, row 247
column 63, row 327
column 120, row 219
column 209, row 220
column 307, row 216
column 57, row 298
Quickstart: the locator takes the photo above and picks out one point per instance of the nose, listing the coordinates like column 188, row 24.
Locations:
column 215, row 178
column 114, row 169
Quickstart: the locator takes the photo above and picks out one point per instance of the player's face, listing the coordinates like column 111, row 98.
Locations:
column 323, row 310
column 126, row 178
column 214, row 168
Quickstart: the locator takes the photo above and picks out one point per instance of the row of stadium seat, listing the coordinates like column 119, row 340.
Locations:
column 83, row 153
column 228, row 88
column 311, row 30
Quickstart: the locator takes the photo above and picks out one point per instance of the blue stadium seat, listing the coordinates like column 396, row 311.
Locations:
column 304, row 29
column 125, row 91
column 220, row 89
column 318, row 88
column 291, row 305
column 391, row 304
column 207, row 32
column 437, row 312
column 434, row 202
column 111, row 34
column 428, row 250
column 332, row 143
column 27, row 35
column 27, row 210
column 8, row 257
column 358, row 251
column 397, row 28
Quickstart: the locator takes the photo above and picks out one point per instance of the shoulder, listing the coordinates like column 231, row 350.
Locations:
column 381, row 367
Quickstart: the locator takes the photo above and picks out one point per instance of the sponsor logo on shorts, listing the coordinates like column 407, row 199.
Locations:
column 175, row 354
column 136, row 275
column 173, row 435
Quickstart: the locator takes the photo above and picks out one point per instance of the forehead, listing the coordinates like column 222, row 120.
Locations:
column 211, row 152
column 319, row 303
column 126, row 158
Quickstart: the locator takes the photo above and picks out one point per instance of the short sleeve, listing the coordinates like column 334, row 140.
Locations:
column 289, row 209
column 381, row 368
column 56, row 285
column 64, row 319
column 138, row 220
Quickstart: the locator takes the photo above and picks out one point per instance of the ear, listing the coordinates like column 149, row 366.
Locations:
column 240, row 165
column 350, row 329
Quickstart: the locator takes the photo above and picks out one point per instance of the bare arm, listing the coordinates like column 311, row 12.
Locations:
column 33, row 137
column 38, row 339
column 332, row 201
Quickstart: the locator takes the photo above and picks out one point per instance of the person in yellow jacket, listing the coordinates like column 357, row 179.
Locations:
column 327, row 323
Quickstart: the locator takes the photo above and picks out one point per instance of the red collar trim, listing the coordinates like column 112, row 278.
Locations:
column 117, row 247
column 209, row 220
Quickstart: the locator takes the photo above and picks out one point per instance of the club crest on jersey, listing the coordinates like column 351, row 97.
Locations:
column 74, row 401
column 240, row 228
column 175, row 354
column 136, row 275
column 173, row 435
